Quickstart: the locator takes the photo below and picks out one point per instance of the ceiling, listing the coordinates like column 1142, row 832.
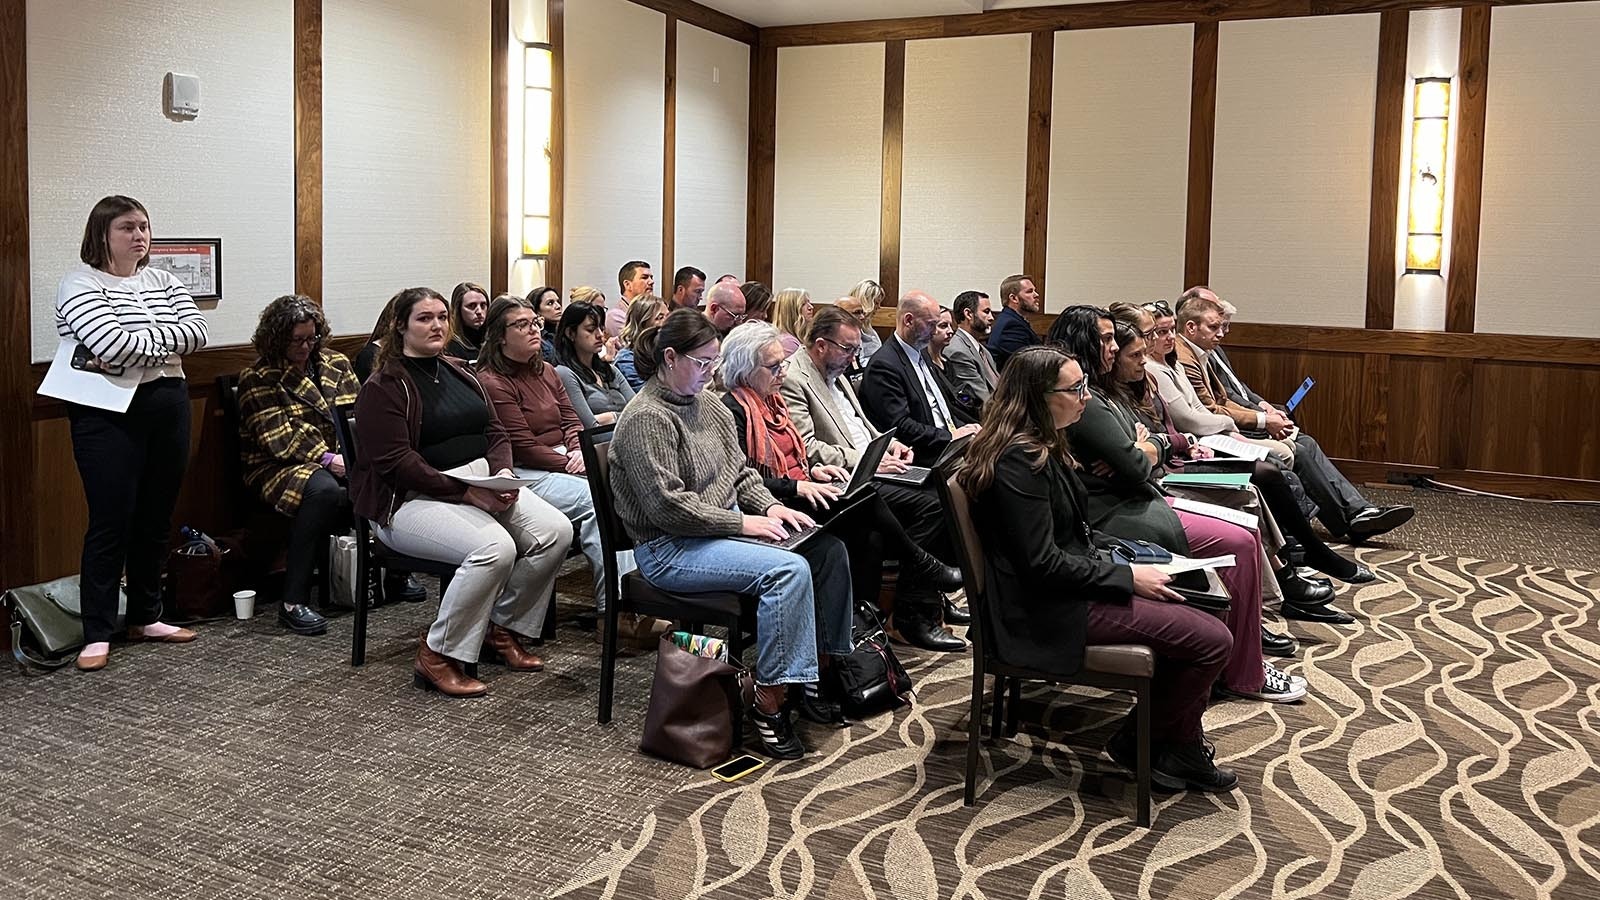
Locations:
column 768, row 13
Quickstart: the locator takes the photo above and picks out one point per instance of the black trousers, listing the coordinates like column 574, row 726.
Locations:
column 1337, row 499
column 892, row 521
column 132, row 466
column 324, row 511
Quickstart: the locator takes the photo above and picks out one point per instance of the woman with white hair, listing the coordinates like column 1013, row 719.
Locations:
column 752, row 369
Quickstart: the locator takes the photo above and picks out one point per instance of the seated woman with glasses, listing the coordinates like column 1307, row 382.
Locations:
column 792, row 312
column 532, row 406
column 753, row 367
column 683, row 491
column 1120, row 473
column 597, row 389
column 644, row 312
column 423, row 423
column 1051, row 592
column 288, row 443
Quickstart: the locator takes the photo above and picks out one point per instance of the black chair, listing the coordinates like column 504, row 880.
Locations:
column 1116, row 667
column 372, row 555
column 631, row 593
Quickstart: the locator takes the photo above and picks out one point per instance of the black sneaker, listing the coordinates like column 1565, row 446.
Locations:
column 777, row 735
column 302, row 619
column 1190, row 767
column 404, row 587
column 1123, row 748
column 814, row 707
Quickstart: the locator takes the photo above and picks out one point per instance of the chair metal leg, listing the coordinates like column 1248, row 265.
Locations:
column 608, row 659
column 999, row 703
column 974, row 729
column 1012, row 707
column 358, row 636
column 1141, row 714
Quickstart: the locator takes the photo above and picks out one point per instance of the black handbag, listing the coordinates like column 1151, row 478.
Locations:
column 46, row 623
column 870, row 678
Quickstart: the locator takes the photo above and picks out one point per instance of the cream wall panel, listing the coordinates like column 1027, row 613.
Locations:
column 964, row 173
column 405, row 105
column 1119, row 162
column 97, row 128
column 1293, row 172
column 615, row 83
column 829, row 167
column 713, row 163
column 1538, row 269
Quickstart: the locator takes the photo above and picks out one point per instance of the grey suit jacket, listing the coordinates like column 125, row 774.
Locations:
column 969, row 364
column 817, row 417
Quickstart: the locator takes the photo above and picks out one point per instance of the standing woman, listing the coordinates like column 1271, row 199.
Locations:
column 469, row 306
column 131, row 317
column 424, row 420
column 597, row 389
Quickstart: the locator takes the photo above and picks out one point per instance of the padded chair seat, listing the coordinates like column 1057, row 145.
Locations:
column 1135, row 660
column 642, row 595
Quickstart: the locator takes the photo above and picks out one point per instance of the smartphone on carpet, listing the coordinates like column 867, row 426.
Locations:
column 737, row 768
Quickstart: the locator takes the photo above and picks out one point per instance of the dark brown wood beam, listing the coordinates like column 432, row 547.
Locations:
column 705, row 17
column 1036, row 203
column 1202, row 155
column 894, row 113
column 308, row 148
column 1461, row 284
column 1387, row 132
column 555, row 11
column 499, row 147
column 762, row 151
column 16, row 334
column 669, row 166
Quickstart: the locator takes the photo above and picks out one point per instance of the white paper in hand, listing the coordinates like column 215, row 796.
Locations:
column 494, row 482
column 1182, row 564
column 1233, row 447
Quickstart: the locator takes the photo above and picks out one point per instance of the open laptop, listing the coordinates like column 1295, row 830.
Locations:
column 917, row 476
column 860, row 480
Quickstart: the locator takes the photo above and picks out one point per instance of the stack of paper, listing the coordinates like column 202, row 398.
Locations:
column 1182, row 564
column 1242, row 519
column 1230, row 480
column 1233, row 447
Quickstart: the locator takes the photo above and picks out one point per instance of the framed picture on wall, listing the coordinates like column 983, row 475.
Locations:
column 197, row 262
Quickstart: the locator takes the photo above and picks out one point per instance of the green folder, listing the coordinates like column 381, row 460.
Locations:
column 1209, row 479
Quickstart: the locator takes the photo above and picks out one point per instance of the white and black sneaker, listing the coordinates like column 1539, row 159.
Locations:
column 778, row 739
column 1276, row 687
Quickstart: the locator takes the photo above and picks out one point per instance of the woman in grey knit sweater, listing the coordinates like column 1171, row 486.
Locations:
column 682, row 489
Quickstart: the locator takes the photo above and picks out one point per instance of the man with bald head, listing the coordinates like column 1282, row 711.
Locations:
column 900, row 390
column 725, row 307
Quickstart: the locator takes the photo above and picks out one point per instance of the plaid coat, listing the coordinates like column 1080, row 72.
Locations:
column 286, row 424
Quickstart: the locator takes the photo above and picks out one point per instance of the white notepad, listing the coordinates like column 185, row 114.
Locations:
column 1233, row 447
column 1198, row 507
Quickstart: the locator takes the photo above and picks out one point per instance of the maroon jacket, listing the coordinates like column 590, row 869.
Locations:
column 388, row 422
column 536, row 414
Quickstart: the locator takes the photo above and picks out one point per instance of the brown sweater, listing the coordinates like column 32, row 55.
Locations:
column 388, row 425
column 676, row 468
column 536, row 414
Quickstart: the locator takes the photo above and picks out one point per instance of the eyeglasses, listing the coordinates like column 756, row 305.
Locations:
column 851, row 349
column 1166, row 332
column 704, row 365
column 1081, row 389
column 778, row 368
column 1159, row 307
column 308, row 341
column 522, row 325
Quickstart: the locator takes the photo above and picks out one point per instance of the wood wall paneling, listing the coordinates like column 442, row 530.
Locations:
column 1372, row 408
column 308, row 148
column 1533, row 418
column 499, row 147
column 894, row 100
column 1202, row 148
column 669, row 162
column 1455, row 413
column 1393, row 34
column 1332, row 411
column 1529, row 348
column 763, row 162
column 1036, row 217
column 705, row 17
column 16, row 339
column 1461, row 286
column 1414, row 407
column 555, row 11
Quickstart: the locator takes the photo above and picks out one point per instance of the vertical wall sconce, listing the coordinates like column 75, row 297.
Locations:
column 538, row 85
column 1430, row 146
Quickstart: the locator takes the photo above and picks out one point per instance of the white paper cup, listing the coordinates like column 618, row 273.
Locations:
column 244, row 604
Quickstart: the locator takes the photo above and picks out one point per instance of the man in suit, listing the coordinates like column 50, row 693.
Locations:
column 967, row 362
column 900, row 391
column 1011, row 330
column 1341, row 507
column 828, row 416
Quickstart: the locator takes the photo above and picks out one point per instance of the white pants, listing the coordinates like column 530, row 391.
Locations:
column 508, row 563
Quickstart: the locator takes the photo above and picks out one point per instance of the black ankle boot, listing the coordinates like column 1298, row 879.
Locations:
column 925, row 568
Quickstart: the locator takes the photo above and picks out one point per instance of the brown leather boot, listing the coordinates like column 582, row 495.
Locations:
column 437, row 672
column 502, row 643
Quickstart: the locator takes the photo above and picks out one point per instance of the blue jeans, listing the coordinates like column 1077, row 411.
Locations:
column 570, row 494
column 802, row 594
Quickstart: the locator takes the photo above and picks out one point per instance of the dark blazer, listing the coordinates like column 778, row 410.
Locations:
column 1011, row 333
column 1221, row 356
column 1043, row 571
column 892, row 397
column 1127, row 503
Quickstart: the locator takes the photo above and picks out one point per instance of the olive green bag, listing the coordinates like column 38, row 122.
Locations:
column 47, row 624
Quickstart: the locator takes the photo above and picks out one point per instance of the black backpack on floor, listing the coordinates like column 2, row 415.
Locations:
column 870, row 678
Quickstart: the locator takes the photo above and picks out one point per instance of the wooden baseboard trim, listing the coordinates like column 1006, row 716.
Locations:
column 1539, row 487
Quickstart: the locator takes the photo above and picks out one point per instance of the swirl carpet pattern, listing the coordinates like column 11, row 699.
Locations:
column 1448, row 749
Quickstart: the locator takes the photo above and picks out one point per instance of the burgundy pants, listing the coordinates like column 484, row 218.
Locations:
column 1214, row 537
column 1191, row 647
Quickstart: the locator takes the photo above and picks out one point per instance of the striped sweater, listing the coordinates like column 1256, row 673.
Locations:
column 147, row 320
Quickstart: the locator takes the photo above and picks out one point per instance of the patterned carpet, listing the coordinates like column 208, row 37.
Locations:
column 1448, row 749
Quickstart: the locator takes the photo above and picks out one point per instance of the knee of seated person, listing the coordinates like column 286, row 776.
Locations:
column 497, row 555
